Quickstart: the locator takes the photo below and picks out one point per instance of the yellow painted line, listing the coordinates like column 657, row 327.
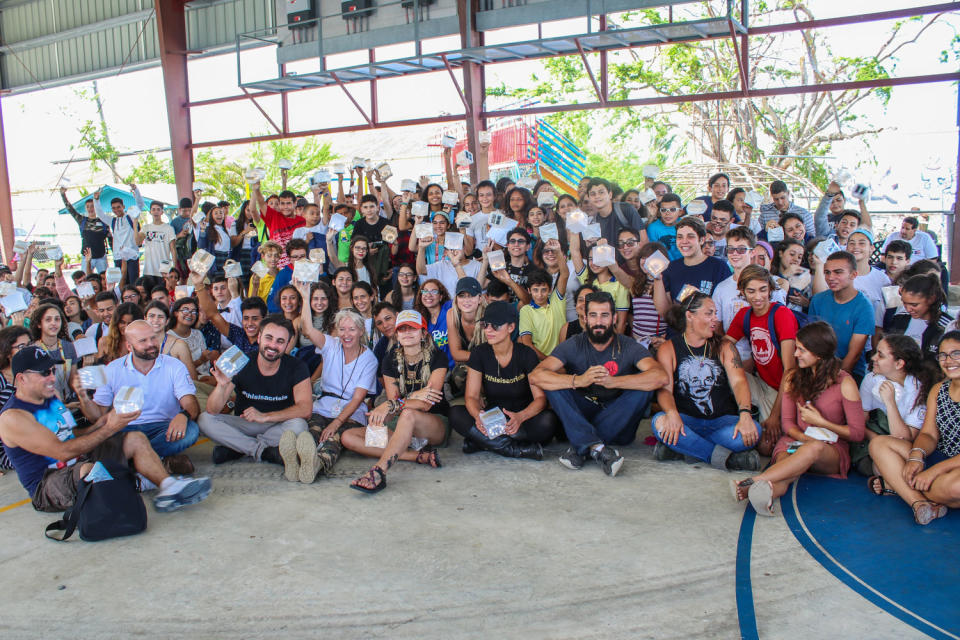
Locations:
column 15, row 505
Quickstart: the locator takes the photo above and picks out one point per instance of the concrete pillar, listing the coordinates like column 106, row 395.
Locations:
column 172, row 36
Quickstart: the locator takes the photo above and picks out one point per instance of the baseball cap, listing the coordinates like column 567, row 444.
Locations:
column 468, row 285
column 410, row 318
column 440, row 213
column 32, row 358
column 499, row 312
column 865, row 231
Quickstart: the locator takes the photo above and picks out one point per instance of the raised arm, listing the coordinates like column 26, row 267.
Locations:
column 315, row 336
column 208, row 306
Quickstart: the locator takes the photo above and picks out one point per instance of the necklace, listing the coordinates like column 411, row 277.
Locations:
column 706, row 349
column 343, row 365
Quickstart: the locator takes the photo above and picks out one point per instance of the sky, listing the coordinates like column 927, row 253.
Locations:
column 41, row 127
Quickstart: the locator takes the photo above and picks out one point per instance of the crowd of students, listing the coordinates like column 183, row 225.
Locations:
column 515, row 315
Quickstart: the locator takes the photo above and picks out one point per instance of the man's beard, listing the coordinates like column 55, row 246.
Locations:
column 602, row 337
column 150, row 354
column 272, row 357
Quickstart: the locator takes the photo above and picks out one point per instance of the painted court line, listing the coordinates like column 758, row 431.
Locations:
column 831, row 564
column 746, row 615
column 27, row 500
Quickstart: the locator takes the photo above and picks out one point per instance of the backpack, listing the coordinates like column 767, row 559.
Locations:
column 802, row 321
column 108, row 508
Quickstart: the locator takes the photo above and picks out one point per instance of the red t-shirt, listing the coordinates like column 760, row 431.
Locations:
column 281, row 230
column 764, row 351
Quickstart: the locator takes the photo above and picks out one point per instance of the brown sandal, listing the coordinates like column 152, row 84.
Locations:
column 429, row 455
column 926, row 511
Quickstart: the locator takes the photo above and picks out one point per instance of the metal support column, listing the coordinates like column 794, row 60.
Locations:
column 6, row 204
column 953, row 232
column 472, row 84
column 172, row 37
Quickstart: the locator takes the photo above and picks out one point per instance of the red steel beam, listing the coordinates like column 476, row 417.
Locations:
column 456, row 85
column 6, row 201
column 226, row 99
column 318, row 132
column 744, row 82
column 172, row 38
column 604, row 86
column 352, row 99
column 731, row 95
column 374, row 110
column 596, row 87
column 263, row 112
column 864, row 17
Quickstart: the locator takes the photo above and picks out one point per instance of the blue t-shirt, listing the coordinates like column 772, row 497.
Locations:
column 667, row 236
column 704, row 276
column 847, row 319
column 439, row 333
column 54, row 416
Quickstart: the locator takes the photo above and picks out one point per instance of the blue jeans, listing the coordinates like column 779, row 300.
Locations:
column 133, row 269
column 98, row 265
column 156, row 433
column 705, row 435
column 588, row 424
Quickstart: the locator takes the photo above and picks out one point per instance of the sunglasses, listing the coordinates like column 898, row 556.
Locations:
column 738, row 250
column 492, row 326
column 516, row 241
column 43, row 372
column 669, row 209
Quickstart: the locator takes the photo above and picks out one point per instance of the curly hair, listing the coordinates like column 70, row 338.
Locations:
column 35, row 325
column 807, row 383
column 418, row 302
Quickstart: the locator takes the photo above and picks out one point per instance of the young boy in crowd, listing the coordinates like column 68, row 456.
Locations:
column 664, row 229
column 542, row 319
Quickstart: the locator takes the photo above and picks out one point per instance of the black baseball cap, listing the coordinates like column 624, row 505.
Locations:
column 32, row 358
column 468, row 285
column 499, row 312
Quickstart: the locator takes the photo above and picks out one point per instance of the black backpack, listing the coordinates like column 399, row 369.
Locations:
column 106, row 509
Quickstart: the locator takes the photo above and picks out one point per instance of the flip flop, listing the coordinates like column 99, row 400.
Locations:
column 376, row 475
column 926, row 511
column 883, row 487
column 761, row 498
column 736, row 485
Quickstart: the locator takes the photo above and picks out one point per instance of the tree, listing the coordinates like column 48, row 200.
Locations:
column 740, row 130
column 95, row 136
column 306, row 156
column 152, row 170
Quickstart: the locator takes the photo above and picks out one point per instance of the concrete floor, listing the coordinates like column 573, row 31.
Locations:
column 484, row 547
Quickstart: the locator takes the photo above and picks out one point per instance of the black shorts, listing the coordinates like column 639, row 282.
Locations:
column 57, row 490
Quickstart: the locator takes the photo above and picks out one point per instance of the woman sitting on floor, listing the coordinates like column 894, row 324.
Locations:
column 413, row 364
column 894, row 395
column 929, row 490
column 498, row 372
column 821, row 413
column 706, row 406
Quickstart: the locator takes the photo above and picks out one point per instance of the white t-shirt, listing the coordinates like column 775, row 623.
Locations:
column 729, row 302
column 478, row 228
column 341, row 380
column 156, row 246
column 445, row 272
column 922, row 243
column 912, row 413
column 91, row 331
column 871, row 286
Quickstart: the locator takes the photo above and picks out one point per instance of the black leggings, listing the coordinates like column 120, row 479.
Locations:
column 540, row 428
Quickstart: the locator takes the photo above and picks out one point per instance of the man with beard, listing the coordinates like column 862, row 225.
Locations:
column 600, row 384
column 169, row 398
column 38, row 437
column 272, row 396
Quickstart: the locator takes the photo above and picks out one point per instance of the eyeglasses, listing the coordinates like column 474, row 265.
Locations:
column 669, row 209
column 430, row 292
column 627, row 243
column 43, row 372
column 188, row 312
column 516, row 241
column 953, row 355
column 17, row 347
column 405, row 274
column 737, row 250
column 720, row 221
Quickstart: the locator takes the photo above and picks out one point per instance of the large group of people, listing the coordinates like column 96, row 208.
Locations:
column 290, row 328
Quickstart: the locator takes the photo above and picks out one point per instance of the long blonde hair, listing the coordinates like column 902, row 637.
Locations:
column 426, row 354
column 479, row 337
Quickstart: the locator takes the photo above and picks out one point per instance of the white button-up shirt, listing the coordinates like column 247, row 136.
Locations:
column 163, row 386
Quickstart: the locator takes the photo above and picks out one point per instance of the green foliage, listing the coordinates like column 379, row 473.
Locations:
column 306, row 155
column 95, row 137
column 152, row 170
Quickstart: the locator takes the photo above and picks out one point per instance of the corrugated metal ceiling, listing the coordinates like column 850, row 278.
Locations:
column 53, row 42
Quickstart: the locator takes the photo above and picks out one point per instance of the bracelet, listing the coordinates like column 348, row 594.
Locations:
column 573, row 381
column 918, row 449
column 915, row 460
column 750, row 411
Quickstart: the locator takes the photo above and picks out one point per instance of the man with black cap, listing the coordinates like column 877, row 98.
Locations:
column 37, row 433
column 599, row 383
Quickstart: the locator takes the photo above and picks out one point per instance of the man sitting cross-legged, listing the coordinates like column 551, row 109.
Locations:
column 50, row 460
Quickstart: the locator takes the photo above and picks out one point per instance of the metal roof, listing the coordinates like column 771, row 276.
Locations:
column 47, row 43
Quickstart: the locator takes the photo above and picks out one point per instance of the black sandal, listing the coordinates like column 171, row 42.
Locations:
column 430, row 456
column 883, row 487
column 376, row 475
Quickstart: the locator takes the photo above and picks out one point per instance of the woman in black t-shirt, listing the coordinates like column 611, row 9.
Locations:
column 413, row 373
column 499, row 370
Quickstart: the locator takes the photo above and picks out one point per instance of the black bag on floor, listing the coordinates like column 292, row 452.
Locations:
column 110, row 508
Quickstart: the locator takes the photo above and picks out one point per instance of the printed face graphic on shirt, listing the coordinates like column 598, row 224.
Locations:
column 698, row 375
